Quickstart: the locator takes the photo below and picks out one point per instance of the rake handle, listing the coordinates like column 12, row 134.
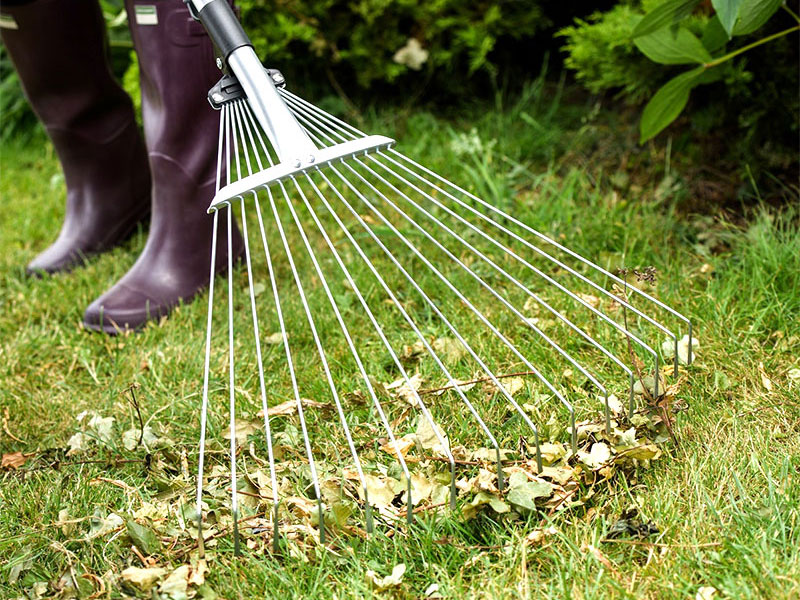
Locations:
column 290, row 141
column 221, row 23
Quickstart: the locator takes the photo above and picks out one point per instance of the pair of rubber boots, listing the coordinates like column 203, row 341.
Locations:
column 114, row 178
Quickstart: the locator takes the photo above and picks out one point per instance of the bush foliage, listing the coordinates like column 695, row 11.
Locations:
column 743, row 54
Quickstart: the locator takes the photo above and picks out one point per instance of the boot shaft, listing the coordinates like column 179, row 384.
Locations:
column 59, row 49
column 176, row 69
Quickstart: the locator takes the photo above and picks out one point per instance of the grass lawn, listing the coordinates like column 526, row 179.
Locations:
column 724, row 498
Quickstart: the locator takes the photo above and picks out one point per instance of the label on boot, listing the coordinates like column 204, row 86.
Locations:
column 8, row 22
column 146, row 14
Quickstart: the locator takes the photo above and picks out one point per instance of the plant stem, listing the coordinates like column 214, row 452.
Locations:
column 769, row 38
column 791, row 12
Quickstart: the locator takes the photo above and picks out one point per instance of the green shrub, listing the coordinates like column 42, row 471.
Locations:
column 392, row 49
column 454, row 37
column 636, row 50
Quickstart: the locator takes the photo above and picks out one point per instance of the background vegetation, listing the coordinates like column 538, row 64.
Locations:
column 740, row 125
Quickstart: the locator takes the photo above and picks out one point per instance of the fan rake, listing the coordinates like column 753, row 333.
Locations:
column 375, row 265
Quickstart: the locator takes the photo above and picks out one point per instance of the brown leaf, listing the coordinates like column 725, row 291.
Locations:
column 290, row 407
column 14, row 460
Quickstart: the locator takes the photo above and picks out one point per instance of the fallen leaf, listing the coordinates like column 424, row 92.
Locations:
column 592, row 301
column 523, row 497
column 403, row 445
column 432, row 591
column 143, row 537
column 274, row 338
column 14, row 460
column 101, row 427
column 421, row 489
column 597, row 457
column 449, row 349
column 706, row 592
column 413, row 55
column 481, row 499
column 176, row 585
column 513, row 384
column 765, row 381
column 668, row 348
column 130, row 439
column 380, row 492
column 538, row 536
column 401, row 388
column 143, row 579
column 430, row 436
column 380, row 584
column 290, row 407
column 77, row 443
column 643, row 452
column 242, row 431
column 99, row 526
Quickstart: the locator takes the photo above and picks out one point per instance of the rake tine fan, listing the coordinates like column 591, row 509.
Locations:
column 369, row 254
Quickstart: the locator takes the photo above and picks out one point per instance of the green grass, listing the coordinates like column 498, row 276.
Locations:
column 725, row 500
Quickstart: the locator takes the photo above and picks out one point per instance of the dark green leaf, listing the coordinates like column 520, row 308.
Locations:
column 673, row 47
column 728, row 12
column 143, row 538
column 668, row 13
column 714, row 35
column 753, row 14
column 667, row 103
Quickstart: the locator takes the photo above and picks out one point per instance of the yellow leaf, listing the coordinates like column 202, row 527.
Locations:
column 390, row 581
column 765, row 381
column 143, row 579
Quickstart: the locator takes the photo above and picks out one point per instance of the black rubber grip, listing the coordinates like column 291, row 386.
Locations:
column 223, row 27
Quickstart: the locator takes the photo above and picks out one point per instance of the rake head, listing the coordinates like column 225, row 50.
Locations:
column 362, row 266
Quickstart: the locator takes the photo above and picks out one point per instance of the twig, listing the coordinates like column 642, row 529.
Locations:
column 473, row 382
column 5, row 427
column 662, row 405
column 420, row 509
column 135, row 404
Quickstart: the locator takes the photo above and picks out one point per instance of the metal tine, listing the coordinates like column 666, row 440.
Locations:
column 379, row 330
column 207, row 359
column 451, row 380
column 415, row 328
column 318, row 342
column 489, row 288
column 444, row 369
column 231, row 360
column 464, row 300
column 601, row 388
column 260, row 363
column 436, row 309
column 530, row 293
column 387, row 426
column 290, row 362
column 302, row 113
column 352, row 131
column 292, row 373
column 304, row 116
